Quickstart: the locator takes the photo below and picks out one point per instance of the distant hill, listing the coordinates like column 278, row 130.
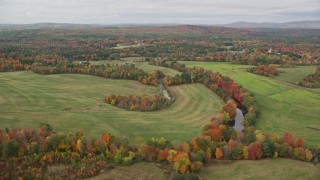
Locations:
column 288, row 25
column 244, row 25
column 49, row 25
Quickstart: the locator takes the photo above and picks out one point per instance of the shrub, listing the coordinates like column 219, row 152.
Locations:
column 264, row 70
column 299, row 153
column 200, row 156
column 255, row 151
column 118, row 159
column 249, row 137
column 249, row 119
column 33, row 148
column 288, row 138
column 163, row 154
column 237, row 154
column 227, row 152
column 181, row 162
column 285, row 150
column 127, row 161
column 268, row 149
column 219, row 153
column 55, row 140
column 309, row 155
column 230, row 107
column 9, row 148
column 259, row 136
column 245, row 150
column 161, row 143
column 275, row 138
column 299, row 143
column 196, row 167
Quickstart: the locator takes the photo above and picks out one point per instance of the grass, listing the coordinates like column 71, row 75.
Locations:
column 139, row 171
column 294, row 75
column 263, row 169
column 284, row 107
column 28, row 99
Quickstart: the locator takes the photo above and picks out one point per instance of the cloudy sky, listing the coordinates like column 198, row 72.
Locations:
column 156, row 11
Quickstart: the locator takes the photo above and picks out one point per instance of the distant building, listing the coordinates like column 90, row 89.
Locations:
column 84, row 63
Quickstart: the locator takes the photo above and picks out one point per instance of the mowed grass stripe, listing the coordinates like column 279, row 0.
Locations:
column 263, row 169
column 29, row 99
column 196, row 103
column 294, row 75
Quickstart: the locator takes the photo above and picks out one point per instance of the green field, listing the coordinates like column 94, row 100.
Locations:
column 263, row 169
column 139, row 171
column 284, row 107
column 295, row 75
column 244, row 169
column 28, row 99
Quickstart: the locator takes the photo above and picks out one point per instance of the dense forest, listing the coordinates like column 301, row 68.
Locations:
column 200, row 43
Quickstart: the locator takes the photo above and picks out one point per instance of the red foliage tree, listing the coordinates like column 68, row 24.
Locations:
column 255, row 151
column 299, row 143
column 288, row 138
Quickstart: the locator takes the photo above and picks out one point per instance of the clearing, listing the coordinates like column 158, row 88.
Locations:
column 284, row 107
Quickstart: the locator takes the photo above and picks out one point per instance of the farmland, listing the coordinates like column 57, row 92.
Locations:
column 263, row 169
column 29, row 99
column 294, row 75
column 283, row 107
column 79, row 102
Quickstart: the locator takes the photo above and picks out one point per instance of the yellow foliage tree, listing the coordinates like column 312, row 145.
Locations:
column 309, row 155
column 132, row 107
column 260, row 137
column 172, row 155
column 245, row 152
column 185, row 147
column 219, row 153
column 195, row 144
column 113, row 101
column 275, row 138
column 181, row 162
column 208, row 154
column 79, row 145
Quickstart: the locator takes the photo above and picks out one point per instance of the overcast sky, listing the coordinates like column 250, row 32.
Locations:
column 156, row 11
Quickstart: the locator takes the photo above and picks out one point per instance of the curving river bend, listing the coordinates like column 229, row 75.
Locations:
column 238, row 121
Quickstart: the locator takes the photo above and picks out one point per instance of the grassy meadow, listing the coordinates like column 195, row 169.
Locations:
column 29, row 99
column 263, row 170
column 284, row 107
column 245, row 169
column 295, row 75
column 139, row 171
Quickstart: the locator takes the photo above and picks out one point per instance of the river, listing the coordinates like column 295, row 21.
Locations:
column 238, row 121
